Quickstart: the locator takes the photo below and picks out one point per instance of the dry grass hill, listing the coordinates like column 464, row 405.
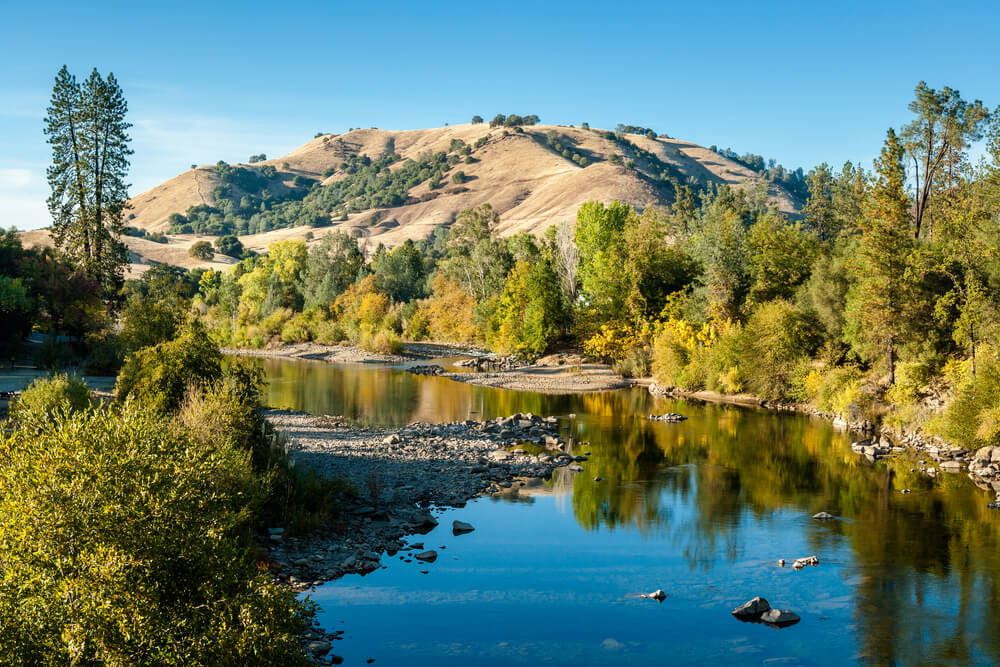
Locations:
column 519, row 173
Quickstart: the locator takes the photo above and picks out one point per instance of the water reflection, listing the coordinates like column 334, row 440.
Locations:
column 732, row 484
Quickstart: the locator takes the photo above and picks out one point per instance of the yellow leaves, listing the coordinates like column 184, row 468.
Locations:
column 613, row 341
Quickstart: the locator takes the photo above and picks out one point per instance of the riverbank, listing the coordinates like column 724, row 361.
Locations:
column 876, row 441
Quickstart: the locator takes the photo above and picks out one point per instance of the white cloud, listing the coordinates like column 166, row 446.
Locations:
column 22, row 199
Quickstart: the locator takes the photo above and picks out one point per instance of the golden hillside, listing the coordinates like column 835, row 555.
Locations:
column 519, row 173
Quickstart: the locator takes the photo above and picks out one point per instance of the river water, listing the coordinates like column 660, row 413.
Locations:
column 702, row 509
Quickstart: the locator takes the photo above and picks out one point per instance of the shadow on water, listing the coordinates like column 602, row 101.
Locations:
column 728, row 487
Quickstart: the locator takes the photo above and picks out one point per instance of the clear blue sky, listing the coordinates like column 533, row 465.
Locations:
column 801, row 82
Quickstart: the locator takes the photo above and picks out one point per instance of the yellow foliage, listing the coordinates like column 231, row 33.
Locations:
column 448, row 312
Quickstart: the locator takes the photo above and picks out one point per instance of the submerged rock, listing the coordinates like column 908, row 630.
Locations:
column 823, row 516
column 780, row 617
column 427, row 556
column 752, row 608
column 657, row 595
column 459, row 527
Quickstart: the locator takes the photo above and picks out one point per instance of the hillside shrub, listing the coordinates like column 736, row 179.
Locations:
column 972, row 418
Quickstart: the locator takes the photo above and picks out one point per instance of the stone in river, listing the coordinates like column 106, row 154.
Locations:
column 574, row 468
column 427, row 556
column 780, row 617
column 459, row 527
column 752, row 608
column 657, row 595
column 823, row 516
column 318, row 647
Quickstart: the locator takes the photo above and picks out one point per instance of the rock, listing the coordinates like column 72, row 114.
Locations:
column 499, row 455
column 752, row 608
column 319, row 647
column 657, row 595
column 780, row 617
column 459, row 527
column 781, row 562
column 670, row 418
column 427, row 556
column 574, row 468
column 802, row 562
column 951, row 466
column 392, row 439
column 904, row 491
column 598, row 479
column 823, row 516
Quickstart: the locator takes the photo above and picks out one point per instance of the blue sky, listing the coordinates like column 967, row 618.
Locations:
column 801, row 82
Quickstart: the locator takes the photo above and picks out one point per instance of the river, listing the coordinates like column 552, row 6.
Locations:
column 702, row 509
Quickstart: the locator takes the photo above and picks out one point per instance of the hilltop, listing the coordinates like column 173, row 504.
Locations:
column 387, row 186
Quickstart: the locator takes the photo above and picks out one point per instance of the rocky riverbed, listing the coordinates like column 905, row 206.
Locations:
column 404, row 478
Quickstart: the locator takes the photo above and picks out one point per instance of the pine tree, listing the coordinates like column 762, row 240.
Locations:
column 819, row 211
column 877, row 303
column 87, row 130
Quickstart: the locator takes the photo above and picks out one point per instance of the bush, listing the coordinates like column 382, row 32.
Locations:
column 972, row 418
column 46, row 396
column 775, row 339
column 158, row 376
column 120, row 542
column 382, row 342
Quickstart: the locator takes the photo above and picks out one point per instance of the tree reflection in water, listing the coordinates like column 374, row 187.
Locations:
column 704, row 483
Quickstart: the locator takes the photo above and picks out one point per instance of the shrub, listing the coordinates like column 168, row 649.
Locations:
column 295, row 331
column 972, row 418
column 45, row 396
column 775, row 339
column 458, row 177
column 382, row 342
column 120, row 542
column 159, row 375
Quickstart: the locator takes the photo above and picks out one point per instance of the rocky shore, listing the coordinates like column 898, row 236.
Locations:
column 545, row 379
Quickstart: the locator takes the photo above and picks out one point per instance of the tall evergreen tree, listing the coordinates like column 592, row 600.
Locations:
column 877, row 303
column 819, row 212
column 87, row 130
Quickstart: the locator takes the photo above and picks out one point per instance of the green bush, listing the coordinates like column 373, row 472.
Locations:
column 158, row 376
column 776, row 338
column 46, row 396
column 120, row 543
column 972, row 418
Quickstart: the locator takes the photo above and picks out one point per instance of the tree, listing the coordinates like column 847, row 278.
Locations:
column 599, row 230
column 201, row 250
column 877, row 303
column 781, row 256
column 331, row 266
column 87, row 130
column 937, row 139
column 530, row 310
column 477, row 119
column 475, row 256
column 257, row 158
column 819, row 212
column 400, row 273
column 567, row 261
column 230, row 246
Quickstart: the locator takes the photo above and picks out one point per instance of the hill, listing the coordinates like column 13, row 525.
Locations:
column 385, row 186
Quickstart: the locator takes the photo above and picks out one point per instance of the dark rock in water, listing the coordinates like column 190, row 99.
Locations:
column 574, row 468
column 823, row 516
column 670, row 418
column 780, row 617
column 752, row 608
column 459, row 527
column 598, row 479
column 427, row 556
column 433, row 369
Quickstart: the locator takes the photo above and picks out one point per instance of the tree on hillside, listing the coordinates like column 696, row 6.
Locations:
column 399, row 273
column 878, row 301
column 819, row 213
column 201, row 250
column 331, row 266
column 937, row 139
column 87, row 130
column 477, row 119
column 229, row 245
